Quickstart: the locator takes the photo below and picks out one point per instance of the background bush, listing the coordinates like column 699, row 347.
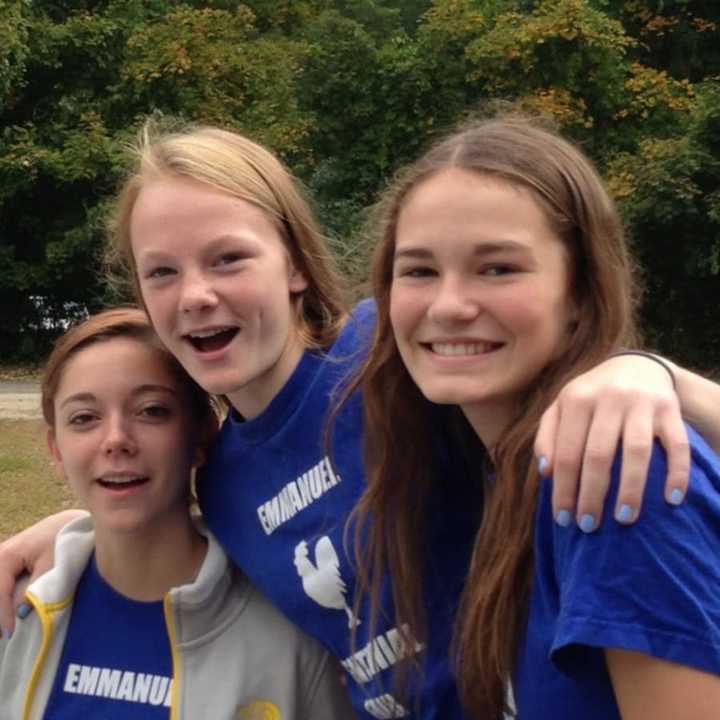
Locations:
column 346, row 92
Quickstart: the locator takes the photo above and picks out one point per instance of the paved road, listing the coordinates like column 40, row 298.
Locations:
column 19, row 386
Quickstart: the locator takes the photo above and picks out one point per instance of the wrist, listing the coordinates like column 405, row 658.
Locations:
column 669, row 367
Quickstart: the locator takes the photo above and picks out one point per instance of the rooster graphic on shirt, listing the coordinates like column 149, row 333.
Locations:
column 322, row 581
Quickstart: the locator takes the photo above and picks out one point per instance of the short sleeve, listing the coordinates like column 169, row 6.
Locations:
column 651, row 587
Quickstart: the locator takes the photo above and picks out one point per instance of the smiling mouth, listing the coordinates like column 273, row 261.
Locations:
column 462, row 349
column 122, row 483
column 212, row 340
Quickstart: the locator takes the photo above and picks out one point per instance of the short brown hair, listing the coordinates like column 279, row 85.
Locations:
column 120, row 322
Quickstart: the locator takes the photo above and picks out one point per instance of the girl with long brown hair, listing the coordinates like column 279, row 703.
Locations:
column 501, row 274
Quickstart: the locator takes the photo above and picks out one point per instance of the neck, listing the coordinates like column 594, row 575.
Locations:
column 253, row 399
column 489, row 420
column 145, row 565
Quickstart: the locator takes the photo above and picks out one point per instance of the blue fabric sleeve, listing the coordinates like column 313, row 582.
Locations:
column 652, row 587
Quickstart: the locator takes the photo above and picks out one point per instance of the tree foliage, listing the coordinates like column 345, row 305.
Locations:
column 347, row 91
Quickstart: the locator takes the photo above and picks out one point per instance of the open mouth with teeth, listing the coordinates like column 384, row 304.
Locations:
column 212, row 340
column 455, row 349
column 122, row 483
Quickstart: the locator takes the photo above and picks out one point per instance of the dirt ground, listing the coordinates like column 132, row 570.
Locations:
column 19, row 400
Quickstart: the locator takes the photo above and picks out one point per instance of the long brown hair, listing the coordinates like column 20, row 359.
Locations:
column 234, row 164
column 393, row 509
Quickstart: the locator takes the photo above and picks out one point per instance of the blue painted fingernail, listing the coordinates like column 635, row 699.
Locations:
column 624, row 514
column 542, row 464
column 676, row 496
column 23, row 610
column 563, row 518
column 587, row 523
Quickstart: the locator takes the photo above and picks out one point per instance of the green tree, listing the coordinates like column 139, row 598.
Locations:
column 213, row 65
column 681, row 37
column 82, row 78
column 347, row 91
column 669, row 192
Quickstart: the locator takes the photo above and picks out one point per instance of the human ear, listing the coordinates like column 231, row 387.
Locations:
column 297, row 281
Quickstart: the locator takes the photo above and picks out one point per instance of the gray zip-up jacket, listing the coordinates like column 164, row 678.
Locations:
column 234, row 656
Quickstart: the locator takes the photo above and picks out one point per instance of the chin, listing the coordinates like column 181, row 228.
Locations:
column 219, row 385
column 450, row 395
column 122, row 526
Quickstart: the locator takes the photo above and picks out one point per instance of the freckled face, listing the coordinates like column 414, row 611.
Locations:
column 123, row 436
column 219, row 287
column 479, row 299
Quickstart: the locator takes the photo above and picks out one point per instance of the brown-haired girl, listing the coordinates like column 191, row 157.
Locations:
column 142, row 615
column 501, row 275
column 228, row 263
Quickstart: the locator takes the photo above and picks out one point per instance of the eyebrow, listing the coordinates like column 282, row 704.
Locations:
column 480, row 249
column 210, row 246
column 140, row 390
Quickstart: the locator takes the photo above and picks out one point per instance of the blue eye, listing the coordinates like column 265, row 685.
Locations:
column 156, row 412
column 81, row 418
column 229, row 258
column 497, row 270
column 421, row 272
column 417, row 271
column 161, row 272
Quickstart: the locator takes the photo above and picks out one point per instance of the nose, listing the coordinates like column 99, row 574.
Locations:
column 197, row 293
column 119, row 438
column 453, row 302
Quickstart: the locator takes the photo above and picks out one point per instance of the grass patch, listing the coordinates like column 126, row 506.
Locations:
column 28, row 485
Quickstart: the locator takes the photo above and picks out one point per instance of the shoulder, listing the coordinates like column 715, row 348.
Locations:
column 365, row 312
column 358, row 330
column 703, row 497
column 649, row 587
column 74, row 546
column 662, row 537
column 702, row 502
column 704, row 459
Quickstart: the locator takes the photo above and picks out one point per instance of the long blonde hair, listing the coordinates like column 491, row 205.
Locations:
column 393, row 509
column 234, row 164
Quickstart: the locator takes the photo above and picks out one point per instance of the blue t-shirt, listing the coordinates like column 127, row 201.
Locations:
column 653, row 588
column 279, row 505
column 116, row 662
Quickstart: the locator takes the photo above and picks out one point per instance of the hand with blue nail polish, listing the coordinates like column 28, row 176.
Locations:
column 26, row 556
column 543, row 465
column 23, row 610
column 624, row 515
column 622, row 405
column 587, row 523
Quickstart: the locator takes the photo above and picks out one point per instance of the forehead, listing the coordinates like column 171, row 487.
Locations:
column 168, row 208
column 464, row 205
column 114, row 365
